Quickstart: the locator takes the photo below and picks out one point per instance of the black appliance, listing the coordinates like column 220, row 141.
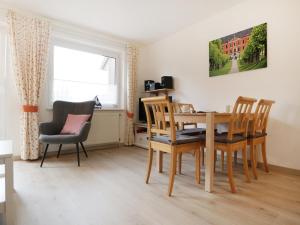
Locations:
column 142, row 112
column 152, row 86
column 157, row 85
column 148, row 84
column 167, row 82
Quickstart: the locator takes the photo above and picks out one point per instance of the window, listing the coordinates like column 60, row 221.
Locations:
column 80, row 73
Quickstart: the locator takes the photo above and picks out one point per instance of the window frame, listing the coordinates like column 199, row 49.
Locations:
column 90, row 48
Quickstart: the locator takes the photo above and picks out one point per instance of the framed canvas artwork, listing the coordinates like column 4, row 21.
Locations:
column 241, row 51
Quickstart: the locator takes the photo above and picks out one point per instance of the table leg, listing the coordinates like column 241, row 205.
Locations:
column 9, row 189
column 209, row 157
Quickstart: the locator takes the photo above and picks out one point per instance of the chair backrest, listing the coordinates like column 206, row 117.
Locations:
column 175, row 107
column 240, row 116
column 160, row 106
column 184, row 107
column 61, row 109
column 261, row 116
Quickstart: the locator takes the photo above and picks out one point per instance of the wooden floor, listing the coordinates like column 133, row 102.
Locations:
column 109, row 189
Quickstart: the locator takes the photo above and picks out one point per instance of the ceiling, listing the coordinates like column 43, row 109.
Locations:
column 142, row 21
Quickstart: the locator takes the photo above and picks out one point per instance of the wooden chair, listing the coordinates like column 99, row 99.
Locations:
column 165, row 139
column 236, row 138
column 184, row 108
column 179, row 107
column 187, row 108
column 257, row 133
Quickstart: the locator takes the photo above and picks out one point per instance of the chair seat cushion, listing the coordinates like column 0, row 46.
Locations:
column 180, row 139
column 60, row 139
column 223, row 138
column 257, row 135
column 192, row 131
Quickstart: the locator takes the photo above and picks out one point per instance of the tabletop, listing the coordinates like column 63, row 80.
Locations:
column 201, row 117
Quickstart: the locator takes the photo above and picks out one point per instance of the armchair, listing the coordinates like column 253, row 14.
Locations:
column 50, row 131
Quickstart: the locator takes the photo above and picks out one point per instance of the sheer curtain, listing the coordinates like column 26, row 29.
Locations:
column 131, row 94
column 29, row 43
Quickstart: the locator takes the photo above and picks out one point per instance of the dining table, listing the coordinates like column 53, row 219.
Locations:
column 211, row 119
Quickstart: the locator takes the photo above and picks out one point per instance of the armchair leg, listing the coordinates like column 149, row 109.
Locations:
column 58, row 153
column 45, row 153
column 84, row 149
column 78, row 157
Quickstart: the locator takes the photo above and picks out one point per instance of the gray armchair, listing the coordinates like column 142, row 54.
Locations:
column 50, row 131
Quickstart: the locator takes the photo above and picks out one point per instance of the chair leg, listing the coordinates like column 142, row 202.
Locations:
column 222, row 160
column 230, row 172
column 59, row 149
column 198, row 166
column 215, row 160
column 235, row 158
column 202, row 156
column 45, row 153
column 150, row 159
column 172, row 171
column 78, row 157
column 255, row 155
column 179, row 162
column 83, row 148
column 253, row 159
column 264, row 156
column 245, row 163
column 160, row 161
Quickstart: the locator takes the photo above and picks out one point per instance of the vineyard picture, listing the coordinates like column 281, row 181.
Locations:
column 241, row 51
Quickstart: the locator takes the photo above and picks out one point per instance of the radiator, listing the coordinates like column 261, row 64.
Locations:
column 106, row 128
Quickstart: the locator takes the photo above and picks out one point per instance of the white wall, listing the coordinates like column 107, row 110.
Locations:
column 184, row 55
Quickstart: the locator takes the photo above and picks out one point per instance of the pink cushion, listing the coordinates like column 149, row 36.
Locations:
column 74, row 123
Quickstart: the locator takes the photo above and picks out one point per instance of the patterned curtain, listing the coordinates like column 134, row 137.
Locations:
column 131, row 94
column 29, row 39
